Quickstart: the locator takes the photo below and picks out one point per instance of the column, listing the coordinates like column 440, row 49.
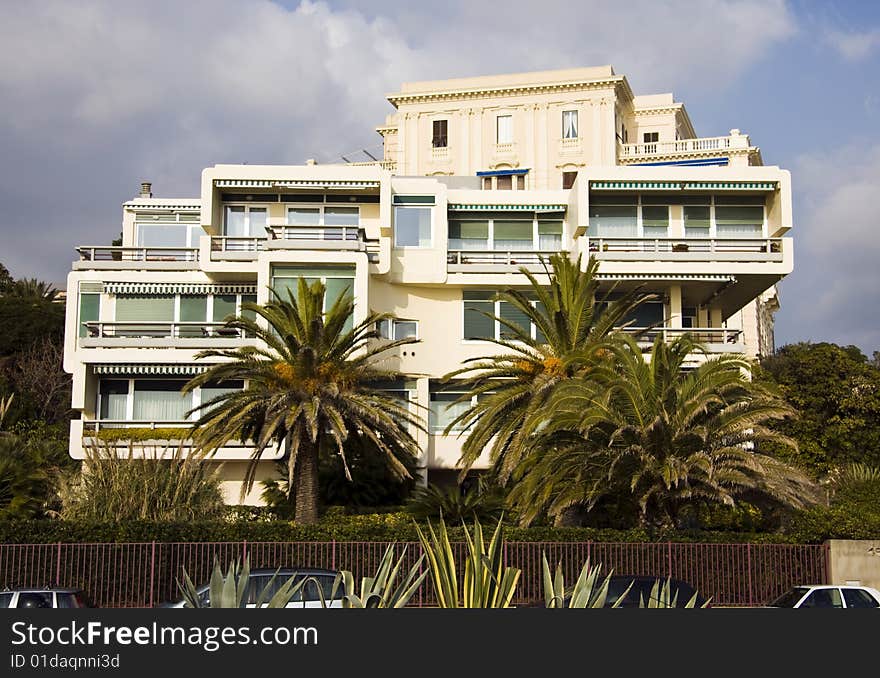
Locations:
column 674, row 306
column 423, row 398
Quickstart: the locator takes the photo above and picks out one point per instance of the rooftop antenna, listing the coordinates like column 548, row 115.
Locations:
column 366, row 152
column 344, row 158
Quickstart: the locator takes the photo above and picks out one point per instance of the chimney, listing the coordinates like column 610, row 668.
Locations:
column 146, row 189
column 311, row 161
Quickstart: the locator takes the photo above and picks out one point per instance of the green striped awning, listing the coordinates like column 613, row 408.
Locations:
column 242, row 183
column 730, row 185
column 145, row 206
column 177, row 288
column 699, row 277
column 151, row 369
column 462, row 207
column 636, row 185
column 683, row 185
column 318, row 183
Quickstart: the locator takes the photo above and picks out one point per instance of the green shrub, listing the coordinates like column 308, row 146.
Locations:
column 139, row 435
column 455, row 504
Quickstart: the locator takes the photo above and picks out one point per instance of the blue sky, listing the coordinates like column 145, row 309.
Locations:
column 97, row 95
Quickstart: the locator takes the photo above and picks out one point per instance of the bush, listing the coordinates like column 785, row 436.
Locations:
column 157, row 486
column 139, row 435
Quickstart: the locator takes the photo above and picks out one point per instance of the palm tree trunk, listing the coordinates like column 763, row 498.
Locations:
column 305, row 481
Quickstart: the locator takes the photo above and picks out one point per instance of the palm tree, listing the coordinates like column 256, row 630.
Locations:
column 662, row 435
column 309, row 382
column 574, row 330
column 31, row 288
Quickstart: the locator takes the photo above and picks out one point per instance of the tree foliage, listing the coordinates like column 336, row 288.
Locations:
column 837, row 393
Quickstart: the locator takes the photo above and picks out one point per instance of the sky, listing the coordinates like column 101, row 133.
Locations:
column 96, row 96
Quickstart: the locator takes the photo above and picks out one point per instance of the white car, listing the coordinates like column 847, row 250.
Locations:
column 308, row 596
column 829, row 596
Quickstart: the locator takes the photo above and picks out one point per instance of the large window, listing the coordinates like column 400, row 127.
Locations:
column 614, row 220
column 168, row 230
column 444, row 410
column 439, row 138
column 396, row 328
column 155, row 400
column 470, row 232
column 413, row 225
column 325, row 215
column 739, row 221
column 483, row 317
column 569, row 124
column 89, row 310
column 191, row 311
column 697, row 221
column 244, row 221
column 337, row 280
column 504, row 129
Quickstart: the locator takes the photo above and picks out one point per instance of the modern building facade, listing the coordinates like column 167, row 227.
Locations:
column 480, row 177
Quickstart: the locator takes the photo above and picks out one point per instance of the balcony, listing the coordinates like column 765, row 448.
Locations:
column 706, row 147
column 494, row 261
column 381, row 164
column 688, row 249
column 152, row 334
column 713, row 339
column 236, row 248
column 440, row 154
column 310, row 237
column 137, row 258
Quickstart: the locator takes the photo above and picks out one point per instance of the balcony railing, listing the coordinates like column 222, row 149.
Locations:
column 92, row 426
column 687, row 249
column 309, row 232
column 683, row 147
column 159, row 330
column 496, row 257
column 137, row 254
column 229, row 243
column 383, row 164
column 709, row 336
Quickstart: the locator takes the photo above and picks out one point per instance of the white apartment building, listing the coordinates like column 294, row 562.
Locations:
column 480, row 177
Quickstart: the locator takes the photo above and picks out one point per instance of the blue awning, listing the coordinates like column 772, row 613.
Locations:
column 502, row 173
column 696, row 162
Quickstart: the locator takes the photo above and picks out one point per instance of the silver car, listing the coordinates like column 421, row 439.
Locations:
column 829, row 595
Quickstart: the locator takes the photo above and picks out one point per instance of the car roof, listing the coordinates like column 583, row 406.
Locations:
column 292, row 570
column 37, row 589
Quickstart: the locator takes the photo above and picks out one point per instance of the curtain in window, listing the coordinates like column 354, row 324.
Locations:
column 569, row 124
column 412, row 226
column 513, row 235
column 160, row 400
column 550, row 236
column 341, row 216
column 696, row 221
column 742, row 221
column 114, row 398
column 613, row 221
column 468, row 235
column 303, row 216
column 444, row 410
column 505, row 129
column 235, row 221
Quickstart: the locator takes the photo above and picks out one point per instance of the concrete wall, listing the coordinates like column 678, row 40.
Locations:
column 854, row 562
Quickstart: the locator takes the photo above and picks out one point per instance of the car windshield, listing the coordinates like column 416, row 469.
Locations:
column 789, row 598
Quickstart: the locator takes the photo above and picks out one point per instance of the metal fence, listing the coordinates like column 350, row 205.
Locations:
column 145, row 574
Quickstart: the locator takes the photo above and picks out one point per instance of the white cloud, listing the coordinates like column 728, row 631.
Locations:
column 837, row 250
column 99, row 94
column 854, row 45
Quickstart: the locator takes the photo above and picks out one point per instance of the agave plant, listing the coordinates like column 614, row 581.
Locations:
column 588, row 590
column 231, row 590
column 382, row 590
column 487, row 582
column 662, row 597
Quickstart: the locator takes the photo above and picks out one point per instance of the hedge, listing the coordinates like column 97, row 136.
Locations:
column 368, row 527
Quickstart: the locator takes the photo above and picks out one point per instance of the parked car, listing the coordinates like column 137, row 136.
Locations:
column 307, row 596
column 34, row 598
column 641, row 589
column 829, row 596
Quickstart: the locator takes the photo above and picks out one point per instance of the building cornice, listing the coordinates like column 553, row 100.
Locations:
column 615, row 82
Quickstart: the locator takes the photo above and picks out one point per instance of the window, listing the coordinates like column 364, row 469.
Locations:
column 655, row 221
column 504, row 182
column 651, row 137
column 439, row 138
column 689, row 316
column 504, row 129
column 505, row 234
column 5, row 599
column 328, row 215
column 483, row 315
column 89, row 310
column 520, row 182
column 568, row 179
column 614, row 221
column 155, row 400
column 35, row 599
column 487, row 183
column 444, row 410
column 192, row 313
column 168, row 230
column 337, row 280
column 412, row 226
column 569, row 124
column 739, row 221
column 244, row 221
column 823, row 598
column 859, row 598
column 696, row 221
column 395, row 329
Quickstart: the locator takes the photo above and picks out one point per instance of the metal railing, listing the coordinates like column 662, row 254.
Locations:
column 324, row 233
column 503, row 257
column 144, row 574
column 382, row 164
column 230, row 243
column 160, row 330
column 662, row 247
column 91, row 426
column 101, row 253
column 703, row 335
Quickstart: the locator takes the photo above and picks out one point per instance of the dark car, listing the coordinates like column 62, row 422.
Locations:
column 308, row 596
column 641, row 590
column 36, row 598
